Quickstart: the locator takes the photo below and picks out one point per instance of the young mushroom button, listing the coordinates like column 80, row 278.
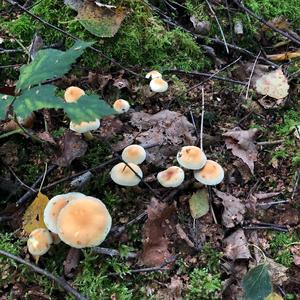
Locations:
column 211, row 174
column 84, row 222
column 39, row 241
column 121, row 106
column 85, row 128
column 153, row 74
column 191, row 157
column 73, row 93
column 171, row 177
column 134, row 154
column 158, row 85
column 123, row 175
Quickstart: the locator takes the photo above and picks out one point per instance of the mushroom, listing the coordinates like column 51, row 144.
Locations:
column 171, row 177
column 84, row 222
column 191, row 157
column 123, row 175
column 85, row 128
column 73, row 93
column 121, row 106
column 54, row 206
column 134, row 154
column 211, row 174
column 153, row 74
column 39, row 241
column 158, row 85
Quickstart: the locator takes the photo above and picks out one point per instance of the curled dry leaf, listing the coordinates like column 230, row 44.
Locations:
column 278, row 272
column 157, row 230
column 237, row 246
column 234, row 209
column 241, row 143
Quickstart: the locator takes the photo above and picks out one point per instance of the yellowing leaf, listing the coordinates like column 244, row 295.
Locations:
column 284, row 56
column 34, row 215
column 101, row 20
column 199, row 204
column 274, row 296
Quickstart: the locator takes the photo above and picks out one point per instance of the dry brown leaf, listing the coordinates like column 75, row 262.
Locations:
column 71, row 146
column 284, row 56
column 45, row 136
column 234, row 209
column 278, row 272
column 33, row 217
column 296, row 254
column 241, row 143
column 173, row 291
column 237, row 246
column 156, row 233
column 71, row 262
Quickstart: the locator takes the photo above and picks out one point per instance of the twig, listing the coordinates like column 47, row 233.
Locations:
column 20, row 181
column 273, row 203
column 193, row 121
column 59, row 281
column 202, row 120
column 265, row 227
column 219, row 25
column 45, row 172
column 112, row 252
column 266, row 143
column 211, row 204
column 296, row 181
column 250, row 12
column 251, row 75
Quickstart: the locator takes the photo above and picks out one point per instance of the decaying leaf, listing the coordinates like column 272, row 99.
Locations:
column 156, row 233
column 33, row 217
column 71, row 262
column 284, row 56
column 296, row 254
column 72, row 146
column 173, row 290
column 101, row 20
column 241, row 143
column 199, row 204
column 273, row 84
column 274, row 296
column 237, row 246
column 201, row 27
column 234, row 209
column 277, row 271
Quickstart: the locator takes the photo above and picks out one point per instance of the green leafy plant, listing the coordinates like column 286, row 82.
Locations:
column 31, row 95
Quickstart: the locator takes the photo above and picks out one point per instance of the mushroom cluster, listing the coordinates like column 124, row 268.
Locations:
column 78, row 220
column 157, row 84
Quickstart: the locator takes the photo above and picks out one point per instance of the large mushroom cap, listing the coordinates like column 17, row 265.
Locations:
column 191, row 157
column 54, row 207
column 134, row 154
column 158, row 85
column 153, row 74
column 211, row 174
column 171, row 177
column 121, row 106
column 73, row 93
column 123, row 175
column 39, row 241
column 84, row 222
column 84, row 127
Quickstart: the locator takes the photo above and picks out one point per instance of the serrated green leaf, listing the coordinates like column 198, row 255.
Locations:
column 5, row 101
column 88, row 108
column 199, row 205
column 49, row 64
column 37, row 98
column 257, row 283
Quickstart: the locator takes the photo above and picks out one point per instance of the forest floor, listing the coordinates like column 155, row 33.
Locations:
column 211, row 53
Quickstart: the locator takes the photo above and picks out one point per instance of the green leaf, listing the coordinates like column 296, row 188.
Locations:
column 199, row 204
column 257, row 284
column 49, row 64
column 5, row 101
column 37, row 98
column 88, row 108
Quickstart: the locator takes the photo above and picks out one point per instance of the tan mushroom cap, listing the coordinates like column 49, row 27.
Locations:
column 171, row 177
column 84, row 222
column 158, row 85
column 121, row 106
column 54, row 206
column 73, row 93
column 153, row 74
column 134, row 154
column 84, row 127
column 39, row 241
column 123, row 175
column 211, row 174
column 191, row 157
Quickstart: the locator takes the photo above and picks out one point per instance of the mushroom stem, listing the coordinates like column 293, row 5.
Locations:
column 88, row 135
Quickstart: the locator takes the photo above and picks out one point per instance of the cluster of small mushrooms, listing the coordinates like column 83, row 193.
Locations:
column 76, row 219
column 157, row 84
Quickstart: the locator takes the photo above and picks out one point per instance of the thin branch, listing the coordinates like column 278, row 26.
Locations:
column 58, row 280
column 251, row 75
column 266, row 143
column 202, row 119
column 112, row 252
column 20, row 181
column 44, row 176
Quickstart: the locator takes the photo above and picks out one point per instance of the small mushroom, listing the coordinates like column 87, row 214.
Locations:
column 54, row 206
column 85, row 128
column 73, row 93
column 123, row 175
column 39, row 241
column 158, row 85
column 171, row 177
column 134, row 154
column 211, row 174
column 84, row 222
column 191, row 157
column 121, row 106
column 153, row 74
